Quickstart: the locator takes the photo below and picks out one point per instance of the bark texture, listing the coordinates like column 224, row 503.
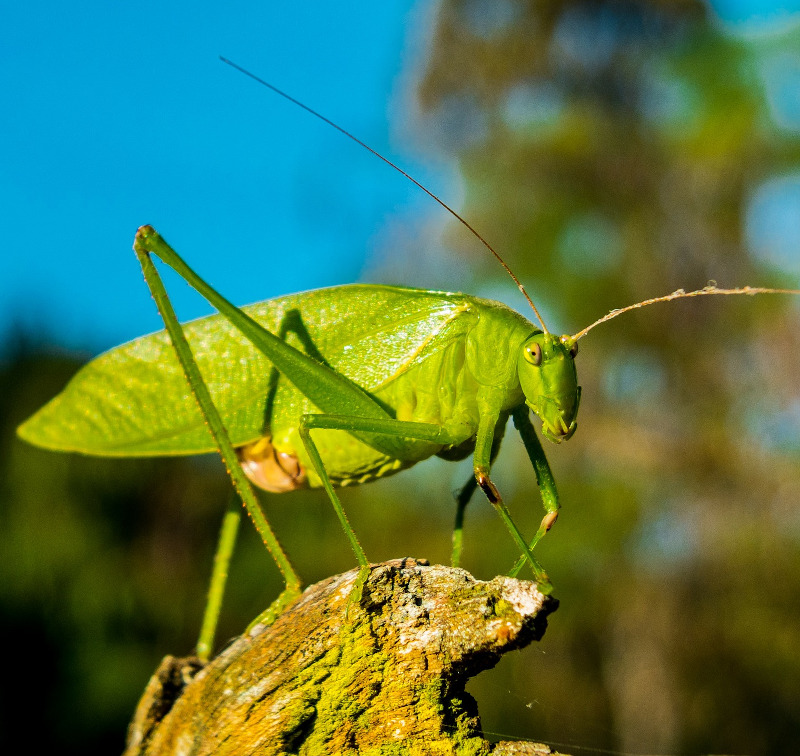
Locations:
column 362, row 663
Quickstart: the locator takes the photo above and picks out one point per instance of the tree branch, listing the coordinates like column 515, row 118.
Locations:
column 376, row 669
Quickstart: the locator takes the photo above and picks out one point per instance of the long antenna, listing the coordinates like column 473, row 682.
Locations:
column 399, row 170
column 709, row 290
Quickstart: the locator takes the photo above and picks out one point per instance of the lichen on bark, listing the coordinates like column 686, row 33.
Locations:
column 375, row 669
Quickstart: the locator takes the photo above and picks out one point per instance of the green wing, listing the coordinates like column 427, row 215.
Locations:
column 134, row 399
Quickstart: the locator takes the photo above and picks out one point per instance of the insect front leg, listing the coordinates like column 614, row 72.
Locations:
column 482, row 467
column 544, row 477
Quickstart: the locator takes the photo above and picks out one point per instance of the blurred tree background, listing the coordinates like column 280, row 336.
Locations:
column 612, row 151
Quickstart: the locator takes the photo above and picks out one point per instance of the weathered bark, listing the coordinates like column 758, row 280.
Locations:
column 379, row 669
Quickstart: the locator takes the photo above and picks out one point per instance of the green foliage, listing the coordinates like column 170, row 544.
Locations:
column 611, row 152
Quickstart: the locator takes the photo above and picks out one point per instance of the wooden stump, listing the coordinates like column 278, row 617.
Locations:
column 375, row 669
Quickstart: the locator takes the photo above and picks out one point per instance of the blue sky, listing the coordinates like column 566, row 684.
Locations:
column 116, row 115
column 753, row 16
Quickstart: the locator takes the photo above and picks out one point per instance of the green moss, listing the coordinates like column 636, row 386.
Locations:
column 345, row 695
column 353, row 673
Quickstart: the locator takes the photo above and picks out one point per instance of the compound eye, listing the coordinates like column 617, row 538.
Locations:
column 533, row 353
column 573, row 345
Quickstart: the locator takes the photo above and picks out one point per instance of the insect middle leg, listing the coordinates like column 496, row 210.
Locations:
column 421, row 432
column 387, row 427
column 544, row 477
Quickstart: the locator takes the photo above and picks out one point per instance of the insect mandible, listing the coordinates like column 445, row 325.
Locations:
column 331, row 388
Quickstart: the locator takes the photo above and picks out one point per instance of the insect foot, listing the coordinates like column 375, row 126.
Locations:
column 384, row 674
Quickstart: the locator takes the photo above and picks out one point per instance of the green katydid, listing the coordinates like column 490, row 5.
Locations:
column 329, row 388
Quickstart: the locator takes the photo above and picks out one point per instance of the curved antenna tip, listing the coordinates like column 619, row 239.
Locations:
column 710, row 289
